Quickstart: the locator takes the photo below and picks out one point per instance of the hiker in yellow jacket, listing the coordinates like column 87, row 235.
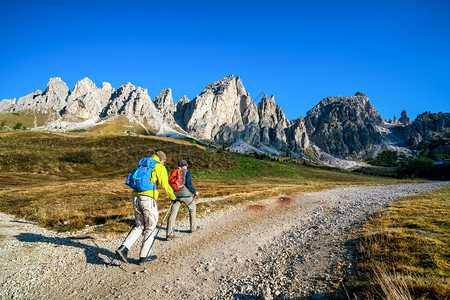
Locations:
column 146, row 213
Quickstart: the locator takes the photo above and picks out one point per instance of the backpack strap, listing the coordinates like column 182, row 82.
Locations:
column 135, row 175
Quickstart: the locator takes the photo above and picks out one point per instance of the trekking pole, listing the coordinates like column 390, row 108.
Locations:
column 162, row 222
column 115, row 254
column 179, row 225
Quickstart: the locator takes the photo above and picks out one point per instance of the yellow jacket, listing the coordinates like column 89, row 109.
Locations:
column 159, row 174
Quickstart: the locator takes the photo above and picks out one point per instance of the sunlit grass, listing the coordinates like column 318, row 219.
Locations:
column 68, row 181
column 408, row 245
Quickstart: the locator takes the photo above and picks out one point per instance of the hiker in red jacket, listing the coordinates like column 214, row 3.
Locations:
column 184, row 195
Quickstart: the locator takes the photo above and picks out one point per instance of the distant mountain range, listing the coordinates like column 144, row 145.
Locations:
column 340, row 131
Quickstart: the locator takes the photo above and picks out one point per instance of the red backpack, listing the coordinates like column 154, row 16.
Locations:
column 176, row 179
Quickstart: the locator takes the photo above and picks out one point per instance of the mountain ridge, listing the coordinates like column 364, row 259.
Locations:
column 338, row 127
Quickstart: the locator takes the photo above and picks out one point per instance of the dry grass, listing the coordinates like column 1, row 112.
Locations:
column 68, row 181
column 404, row 252
column 28, row 118
column 394, row 286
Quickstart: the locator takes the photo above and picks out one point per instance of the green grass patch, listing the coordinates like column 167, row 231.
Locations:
column 72, row 156
column 405, row 251
column 27, row 118
column 68, row 181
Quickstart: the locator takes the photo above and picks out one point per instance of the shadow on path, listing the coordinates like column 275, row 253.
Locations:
column 92, row 252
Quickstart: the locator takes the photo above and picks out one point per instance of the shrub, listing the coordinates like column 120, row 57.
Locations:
column 18, row 126
column 385, row 159
column 78, row 157
column 421, row 166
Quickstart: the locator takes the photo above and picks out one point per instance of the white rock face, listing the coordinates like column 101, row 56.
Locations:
column 6, row 105
column 28, row 102
column 164, row 103
column 249, row 110
column 55, row 96
column 53, row 99
column 135, row 103
column 250, row 119
column 215, row 113
column 273, row 123
column 86, row 100
column 297, row 138
column 180, row 111
column 224, row 112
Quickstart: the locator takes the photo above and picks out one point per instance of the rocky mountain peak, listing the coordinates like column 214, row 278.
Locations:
column 218, row 106
column 267, row 111
column 183, row 100
column 180, row 111
column 404, row 119
column 428, row 127
column 82, row 87
column 164, row 99
column 55, row 95
column 273, row 123
column 106, row 86
column 164, row 103
column 55, row 86
column 221, row 84
column 86, row 100
column 6, row 105
column 344, row 126
column 240, row 87
column 53, row 99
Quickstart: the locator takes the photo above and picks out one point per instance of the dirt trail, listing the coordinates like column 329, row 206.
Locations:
column 233, row 254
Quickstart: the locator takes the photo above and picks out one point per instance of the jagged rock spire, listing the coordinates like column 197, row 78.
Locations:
column 404, row 119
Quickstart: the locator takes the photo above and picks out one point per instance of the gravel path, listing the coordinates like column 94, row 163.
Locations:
column 279, row 247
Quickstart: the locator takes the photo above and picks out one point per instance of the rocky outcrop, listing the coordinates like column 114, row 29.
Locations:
column 86, row 100
column 428, row 127
column 272, row 123
column 338, row 127
column 346, row 127
column 53, row 99
column 180, row 111
column 250, row 120
column 6, row 105
column 225, row 112
column 28, row 102
column 135, row 103
column 164, row 103
column 215, row 113
column 296, row 136
column 404, row 119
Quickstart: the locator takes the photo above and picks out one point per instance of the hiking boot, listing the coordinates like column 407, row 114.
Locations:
column 122, row 252
column 194, row 230
column 144, row 260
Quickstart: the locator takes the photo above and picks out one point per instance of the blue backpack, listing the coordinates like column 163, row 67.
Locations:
column 139, row 178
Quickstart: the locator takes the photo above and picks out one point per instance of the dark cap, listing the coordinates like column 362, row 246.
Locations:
column 182, row 163
column 161, row 155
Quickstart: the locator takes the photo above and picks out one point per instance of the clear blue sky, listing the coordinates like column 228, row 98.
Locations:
column 396, row 52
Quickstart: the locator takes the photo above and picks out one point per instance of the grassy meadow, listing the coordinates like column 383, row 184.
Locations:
column 404, row 252
column 71, row 180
